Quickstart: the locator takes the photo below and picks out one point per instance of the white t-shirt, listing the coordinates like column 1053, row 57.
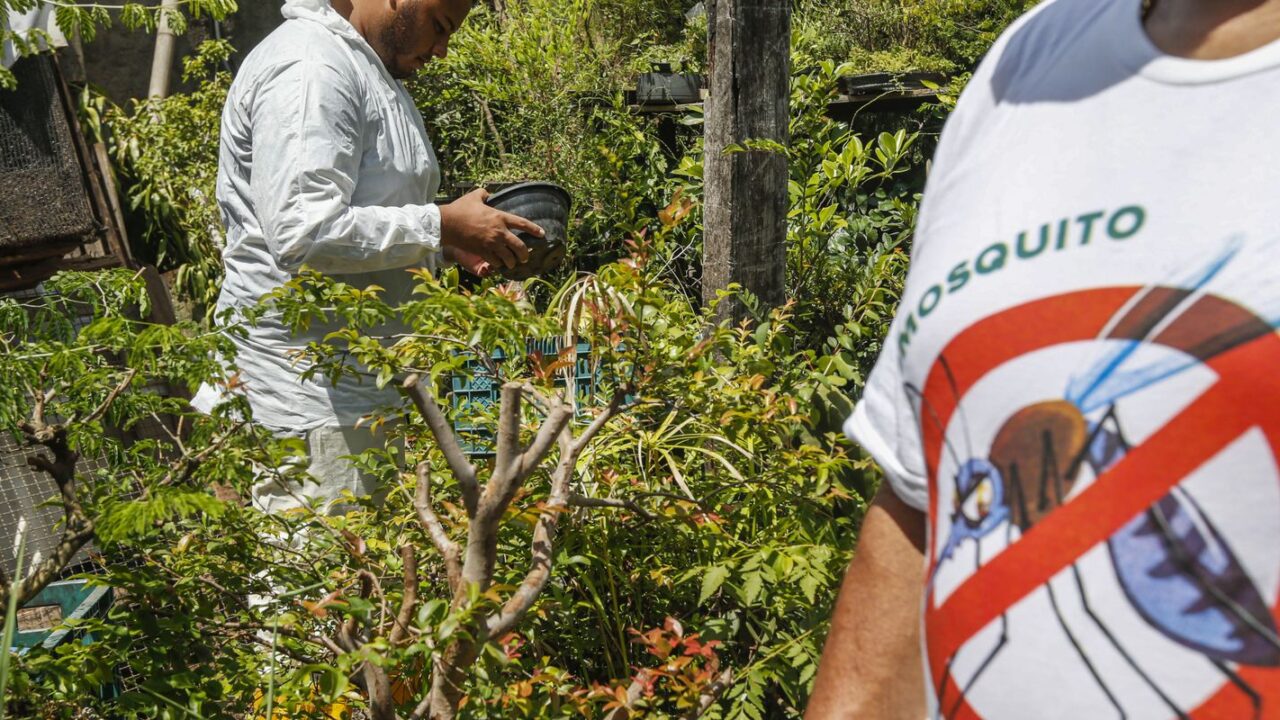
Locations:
column 1082, row 386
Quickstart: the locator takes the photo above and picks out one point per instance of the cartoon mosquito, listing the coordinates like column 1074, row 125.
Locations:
column 1173, row 565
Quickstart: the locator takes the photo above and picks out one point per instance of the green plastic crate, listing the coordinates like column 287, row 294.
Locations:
column 483, row 389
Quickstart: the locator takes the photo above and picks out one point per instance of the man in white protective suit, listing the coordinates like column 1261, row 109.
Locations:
column 325, row 163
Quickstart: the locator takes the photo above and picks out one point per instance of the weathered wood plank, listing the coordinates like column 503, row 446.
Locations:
column 746, row 192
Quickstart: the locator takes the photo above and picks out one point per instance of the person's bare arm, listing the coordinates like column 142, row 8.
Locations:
column 871, row 667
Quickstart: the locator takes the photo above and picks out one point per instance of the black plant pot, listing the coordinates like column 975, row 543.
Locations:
column 663, row 86
column 546, row 204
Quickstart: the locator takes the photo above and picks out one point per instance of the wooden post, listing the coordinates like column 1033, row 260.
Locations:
column 746, row 192
column 162, row 60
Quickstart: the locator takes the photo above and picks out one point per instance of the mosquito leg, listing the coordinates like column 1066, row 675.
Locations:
column 942, row 686
column 946, row 675
column 1057, row 611
column 1179, row 553
column 1254, row 698
column 1084, row 600
column 1000, row 643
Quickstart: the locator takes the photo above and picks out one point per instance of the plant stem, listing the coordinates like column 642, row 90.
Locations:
column 10, row 624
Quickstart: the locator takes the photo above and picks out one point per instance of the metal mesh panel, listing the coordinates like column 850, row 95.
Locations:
column 25, row 492
column 42, row 192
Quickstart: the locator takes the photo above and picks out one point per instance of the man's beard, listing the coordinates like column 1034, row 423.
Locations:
column 394, row 38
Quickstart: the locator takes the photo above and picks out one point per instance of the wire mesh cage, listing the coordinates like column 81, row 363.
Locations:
column 27, row 493
column 44, row 202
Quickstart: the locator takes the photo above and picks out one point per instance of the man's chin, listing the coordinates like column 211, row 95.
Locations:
column 404, row 71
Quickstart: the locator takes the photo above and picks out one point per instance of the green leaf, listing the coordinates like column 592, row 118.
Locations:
column 711, row 582
column 751, row 586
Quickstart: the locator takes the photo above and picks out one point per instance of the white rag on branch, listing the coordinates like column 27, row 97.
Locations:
column 36, row 25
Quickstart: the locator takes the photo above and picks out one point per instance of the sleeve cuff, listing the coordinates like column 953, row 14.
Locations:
column 911, row 489
column 429, row 218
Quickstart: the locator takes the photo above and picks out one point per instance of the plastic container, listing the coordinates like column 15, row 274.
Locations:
column 482, row 389
column 41, row 619
column 546, row 204
column 663, row 86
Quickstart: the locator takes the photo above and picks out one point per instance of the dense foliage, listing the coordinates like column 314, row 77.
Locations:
column 699, row 536
column 165, row 154
column 83, row 20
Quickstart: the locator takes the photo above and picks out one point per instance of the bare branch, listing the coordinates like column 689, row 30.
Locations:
column 557, row 417
column 540, row 401
column 254, row 632
column 576, row 500
column 710, row 694
column 706, row 698
column 400, row 632
column 446, row 440
column 543, row 546
column 382, row 704
column 370, row 581
column 331, row 645
column 488, row 114
column 615, row 403
column 347, row 631
column 77, row 526
column 435, row 529
column 112, row 396
column 420, row 711
column 513, row 466
column 508, row 444
column 42, row 399
column 183, row 468
column 634, row 691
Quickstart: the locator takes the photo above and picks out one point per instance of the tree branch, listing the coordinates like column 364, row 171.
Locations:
column 435, row 529
column 543, row 546
column 615, row 403
column 400, row 632
column 710, row 694
column 544, row 533
column 508, row 446
column 582, row 501
column 446, row 440
column 189, row 464
column 112, row 396
column 512, row 465
column 558, row 416
column 634, row 691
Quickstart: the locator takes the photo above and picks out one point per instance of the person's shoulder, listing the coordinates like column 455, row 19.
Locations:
column 297, row 42
column 1045, row 32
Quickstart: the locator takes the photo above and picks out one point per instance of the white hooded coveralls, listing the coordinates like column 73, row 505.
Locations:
column 324, row 162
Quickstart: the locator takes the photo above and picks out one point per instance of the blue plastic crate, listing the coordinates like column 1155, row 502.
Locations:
column 483, row 389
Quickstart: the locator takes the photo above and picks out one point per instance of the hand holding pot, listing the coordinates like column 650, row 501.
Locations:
column 468, row 261
column 468, row 225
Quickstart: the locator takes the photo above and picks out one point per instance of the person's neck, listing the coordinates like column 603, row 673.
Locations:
column 350, row 12
column 1212, row 29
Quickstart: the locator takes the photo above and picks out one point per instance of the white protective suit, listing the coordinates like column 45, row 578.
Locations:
column 324, row 162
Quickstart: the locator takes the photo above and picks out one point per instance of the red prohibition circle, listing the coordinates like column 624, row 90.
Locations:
column 1245, row 395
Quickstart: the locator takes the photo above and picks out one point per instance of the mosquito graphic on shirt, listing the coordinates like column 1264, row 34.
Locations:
column 1171, row 551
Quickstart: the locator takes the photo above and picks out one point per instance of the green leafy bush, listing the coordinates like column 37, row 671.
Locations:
column 166, row 154
column 709, row 508
column 903, row 35
column 704, row 528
